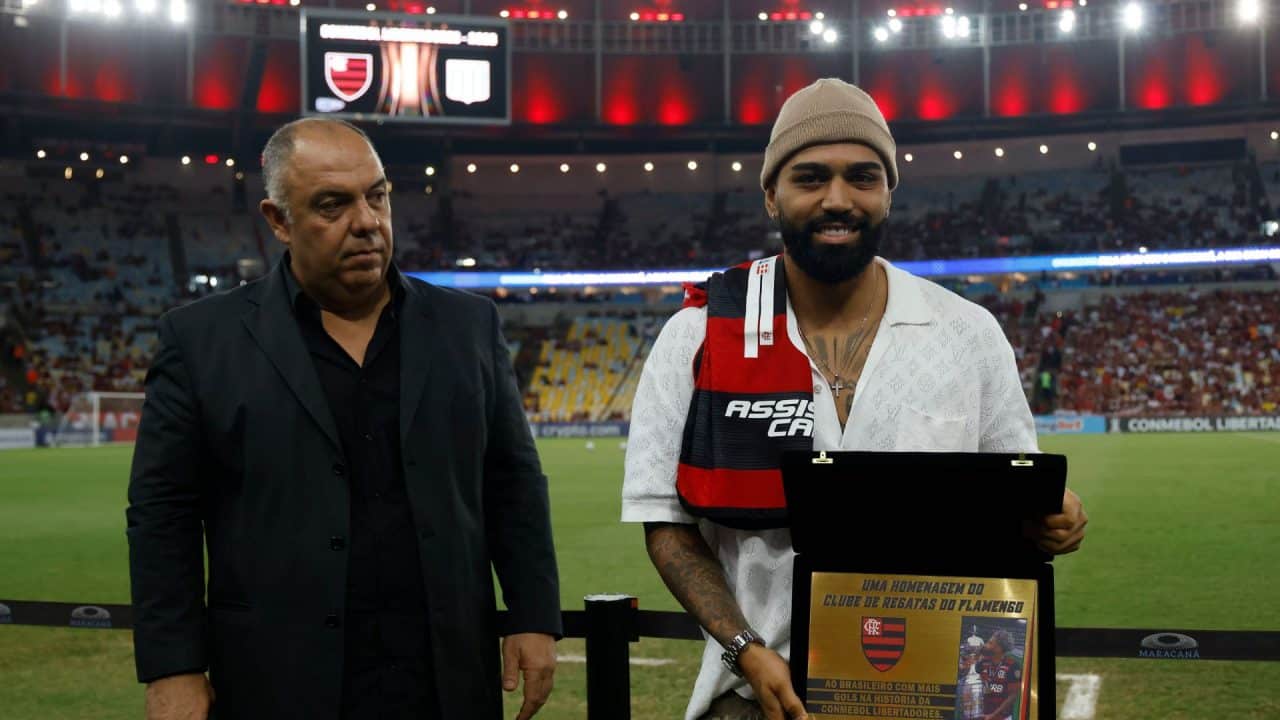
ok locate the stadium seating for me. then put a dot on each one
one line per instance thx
(106, 270)
(591, 371)
(1064, 211)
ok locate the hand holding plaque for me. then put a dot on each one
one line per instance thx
(1060, 533)
(770, 679)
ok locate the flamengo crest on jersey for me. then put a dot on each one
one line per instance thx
(752, 400)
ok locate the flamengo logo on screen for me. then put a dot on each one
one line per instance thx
(1199, 424)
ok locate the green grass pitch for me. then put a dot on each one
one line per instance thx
(1184, 533)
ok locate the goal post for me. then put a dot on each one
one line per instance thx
(95, 418)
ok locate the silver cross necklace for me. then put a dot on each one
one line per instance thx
(837, 385)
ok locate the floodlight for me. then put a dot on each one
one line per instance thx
(1067, 21)
(1248, 11)
(1133, 17)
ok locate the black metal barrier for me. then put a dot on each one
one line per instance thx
(610, 623)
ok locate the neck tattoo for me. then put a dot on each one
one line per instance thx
(852, 347)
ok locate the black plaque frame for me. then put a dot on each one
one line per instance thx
(820, 486)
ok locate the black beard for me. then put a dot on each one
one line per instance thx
(831, 264)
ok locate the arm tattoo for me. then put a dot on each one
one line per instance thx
(695, 577)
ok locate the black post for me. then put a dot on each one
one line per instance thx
(609, 629)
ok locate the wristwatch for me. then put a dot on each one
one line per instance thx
(736, 646)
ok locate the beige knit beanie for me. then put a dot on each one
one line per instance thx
(828, 111)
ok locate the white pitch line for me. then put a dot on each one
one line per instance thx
(1275, 439)
(646, 662)
(1082, 696)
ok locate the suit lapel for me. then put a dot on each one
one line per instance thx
(275, 330)
(418, 343)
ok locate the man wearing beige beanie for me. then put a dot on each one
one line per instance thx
(824, 347)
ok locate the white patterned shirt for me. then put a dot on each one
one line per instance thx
(940, 376)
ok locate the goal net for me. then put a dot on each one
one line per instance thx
(95, 418)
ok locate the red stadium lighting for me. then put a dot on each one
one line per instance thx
(527, 14)
(929, 11)
(210, 159)
(656, 15)
(792, 15)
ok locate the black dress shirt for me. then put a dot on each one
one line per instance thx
(387, 668)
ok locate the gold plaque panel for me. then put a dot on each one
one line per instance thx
(917, 646)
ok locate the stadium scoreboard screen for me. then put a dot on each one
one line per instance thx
(414, 68)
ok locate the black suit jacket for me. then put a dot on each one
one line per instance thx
(237, 447)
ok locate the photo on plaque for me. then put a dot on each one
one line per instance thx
(992, 664)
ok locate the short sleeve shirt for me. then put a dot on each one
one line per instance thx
(940, 376)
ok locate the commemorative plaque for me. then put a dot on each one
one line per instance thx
(920, 598)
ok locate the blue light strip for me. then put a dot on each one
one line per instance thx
(925, 268)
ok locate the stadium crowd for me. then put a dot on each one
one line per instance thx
(1077, 211)
(1194, 352)
(104, 267)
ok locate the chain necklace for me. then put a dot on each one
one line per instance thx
(837, 385)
